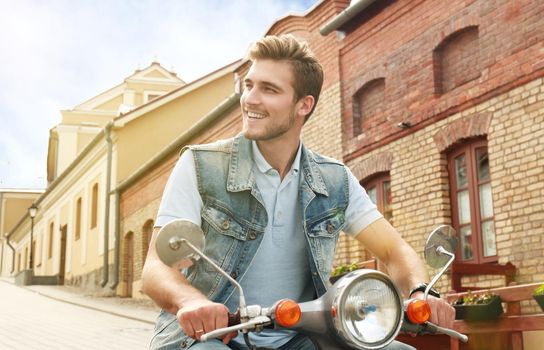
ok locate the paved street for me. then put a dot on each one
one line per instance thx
(29, 320)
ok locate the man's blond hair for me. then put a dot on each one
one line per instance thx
(307, 71)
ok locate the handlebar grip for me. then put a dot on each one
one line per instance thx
(234, 318)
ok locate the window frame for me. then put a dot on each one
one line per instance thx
(378, 180)
(77, 226)
(468, 149)
(94, 205)
(51, 239)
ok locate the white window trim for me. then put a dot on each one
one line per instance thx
(148, 93)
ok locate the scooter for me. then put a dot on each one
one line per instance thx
(362, 310)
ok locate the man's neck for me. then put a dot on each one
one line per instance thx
(280, 154)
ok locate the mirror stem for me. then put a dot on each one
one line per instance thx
(442, 251)
(243, 310)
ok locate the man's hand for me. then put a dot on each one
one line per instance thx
(442, 313)
(201, 315)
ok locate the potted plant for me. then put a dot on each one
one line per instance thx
(341, 270)
(478, 307)
(538, 295)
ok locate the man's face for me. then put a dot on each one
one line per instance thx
(268, 103)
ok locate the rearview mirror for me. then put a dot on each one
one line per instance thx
(443, 236)
(169, 245)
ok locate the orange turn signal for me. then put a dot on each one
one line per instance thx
(287, 313)
(418, 311)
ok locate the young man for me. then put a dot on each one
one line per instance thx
(271, 211)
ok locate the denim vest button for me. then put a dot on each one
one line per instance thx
(226, 224)
(252, 235)
(183, 343)
(330, 228)
(234, 274)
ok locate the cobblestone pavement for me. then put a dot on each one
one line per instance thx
(29, 320)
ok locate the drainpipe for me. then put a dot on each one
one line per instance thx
(115, 277)
(13, 255)
(105, 272)
(343, 17)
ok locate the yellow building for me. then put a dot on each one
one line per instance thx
(99, 143)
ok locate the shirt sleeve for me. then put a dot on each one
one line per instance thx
(360, 212)
(181, 199)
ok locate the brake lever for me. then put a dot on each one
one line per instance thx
(245, 326)
(431, 328)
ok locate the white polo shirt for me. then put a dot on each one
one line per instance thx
(280, 267)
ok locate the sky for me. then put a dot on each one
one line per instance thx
(55, 54)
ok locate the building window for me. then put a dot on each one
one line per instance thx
(94, 205)
(51, 238)
(151, 95)
(368, 105)
(456, 60)
(472, 202)
(379, 190)
(18, 262)
(78, 218)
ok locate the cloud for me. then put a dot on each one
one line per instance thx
(57, 54)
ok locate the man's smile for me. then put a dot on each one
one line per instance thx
(255, 115)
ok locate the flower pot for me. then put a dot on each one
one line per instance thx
(540, 300)
(333, 279)
(479, 312)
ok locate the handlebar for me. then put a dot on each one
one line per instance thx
(258, 321)
(431, 328)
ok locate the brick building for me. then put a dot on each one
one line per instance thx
(442, 109)
(438, 109)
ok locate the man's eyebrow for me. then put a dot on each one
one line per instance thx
(272, 85)
(264, 83)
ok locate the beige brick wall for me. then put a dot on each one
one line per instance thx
(323, 132)
(515, 143)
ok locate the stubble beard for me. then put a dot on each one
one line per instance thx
(271, 131)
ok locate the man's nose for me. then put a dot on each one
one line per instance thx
(251, 96)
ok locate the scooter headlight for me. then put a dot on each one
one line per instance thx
(367, 309)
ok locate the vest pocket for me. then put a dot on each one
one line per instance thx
(327, 225)
(323, 234)
(223, 222)
(224, 234)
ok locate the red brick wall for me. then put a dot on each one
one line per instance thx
(457, 60)
(398, 44)
(368, 106)
(491, 89)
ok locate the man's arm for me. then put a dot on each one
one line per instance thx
(171, 291)
(404, 265)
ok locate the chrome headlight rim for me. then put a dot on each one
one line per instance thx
(343, 287)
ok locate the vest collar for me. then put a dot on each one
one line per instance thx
(241, 178)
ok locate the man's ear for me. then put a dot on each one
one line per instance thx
(305, 105)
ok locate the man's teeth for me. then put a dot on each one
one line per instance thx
(256, 115)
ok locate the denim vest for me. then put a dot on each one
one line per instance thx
(234, 218)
